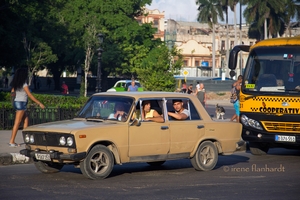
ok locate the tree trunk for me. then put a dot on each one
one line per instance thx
(227, 36)
(213, 51)
(235, 28)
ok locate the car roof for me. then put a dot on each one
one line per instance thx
(125, 81)
(146, 94)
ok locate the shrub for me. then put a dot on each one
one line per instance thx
(48, 100)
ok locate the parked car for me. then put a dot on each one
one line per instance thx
(122, 85)
(108, 131)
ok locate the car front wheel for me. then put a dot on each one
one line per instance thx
(206, 157)
(98, 164)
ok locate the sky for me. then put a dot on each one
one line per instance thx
(183, 10)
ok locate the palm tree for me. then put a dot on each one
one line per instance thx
(209, 11)
(258, 13)
(225, 9)
(292, 10)
(225, 5)
(232, 5)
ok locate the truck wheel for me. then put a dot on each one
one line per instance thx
(48, 167)
(206, 157)
(258, 148)
(98, 164)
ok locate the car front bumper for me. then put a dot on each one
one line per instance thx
(54, 155)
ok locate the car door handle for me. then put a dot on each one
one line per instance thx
(200, 126)
(164, 127)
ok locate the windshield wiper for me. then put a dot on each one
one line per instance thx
(95, 119)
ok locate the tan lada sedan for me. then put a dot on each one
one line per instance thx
(123, 127)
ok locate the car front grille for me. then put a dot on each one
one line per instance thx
(48, 138)
(288, 127)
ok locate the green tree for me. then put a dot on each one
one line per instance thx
(157, 70)
(125, 41)
(292, 11)
(209, 11)
(265, 15)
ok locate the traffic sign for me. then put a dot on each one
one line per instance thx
(185, 72)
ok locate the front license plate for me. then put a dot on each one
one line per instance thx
(285, 138)
(41, 156)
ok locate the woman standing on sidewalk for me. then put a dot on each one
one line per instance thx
(21, 92)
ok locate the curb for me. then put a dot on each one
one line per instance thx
(13, 158)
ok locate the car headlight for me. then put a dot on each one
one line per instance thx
(31, 139)
(69, 141)
(27, 138)
(62, 141)
(250, 122)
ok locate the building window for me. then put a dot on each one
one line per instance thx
(231, 44)
(185, 63)
(223, 45)
(155, 22)
(197, 63)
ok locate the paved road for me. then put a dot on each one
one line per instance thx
(238, 176)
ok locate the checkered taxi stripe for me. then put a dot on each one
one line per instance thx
(277, 99)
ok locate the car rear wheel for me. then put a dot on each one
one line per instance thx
(98, 164)
(155, 164)
(259, 148)
(48, 167)
(206, 157)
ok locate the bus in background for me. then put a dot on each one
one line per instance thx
(270, 93)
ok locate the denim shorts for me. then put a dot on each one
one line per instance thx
(20, 105)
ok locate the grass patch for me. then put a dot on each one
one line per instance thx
(221, 93)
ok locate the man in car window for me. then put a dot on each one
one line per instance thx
(149, 114)
(180, 112)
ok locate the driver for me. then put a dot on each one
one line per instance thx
(119, 112)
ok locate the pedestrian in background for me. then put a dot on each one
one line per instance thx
(65, 88)
(201, 94)
(21, 92)
(133, 86)
(237, 85)
(6, 82)
(190, 89)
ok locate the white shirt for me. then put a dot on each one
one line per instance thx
(112, 116)
(21, 95)
(185, 111)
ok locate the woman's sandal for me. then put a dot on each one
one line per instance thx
(13, 145)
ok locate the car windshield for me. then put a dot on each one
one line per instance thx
(273, 70)
(106, 108)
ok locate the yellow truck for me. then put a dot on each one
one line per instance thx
(270, 94)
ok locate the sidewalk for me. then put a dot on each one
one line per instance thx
(11, 155)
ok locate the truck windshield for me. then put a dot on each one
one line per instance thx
(273, 70)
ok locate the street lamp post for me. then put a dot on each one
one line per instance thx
(170, 39)
(100, 50)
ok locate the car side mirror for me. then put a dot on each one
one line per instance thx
(135, 122)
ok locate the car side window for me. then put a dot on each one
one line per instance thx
(193, 111)
(188, 105)
(170, 107)
(155, 104)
